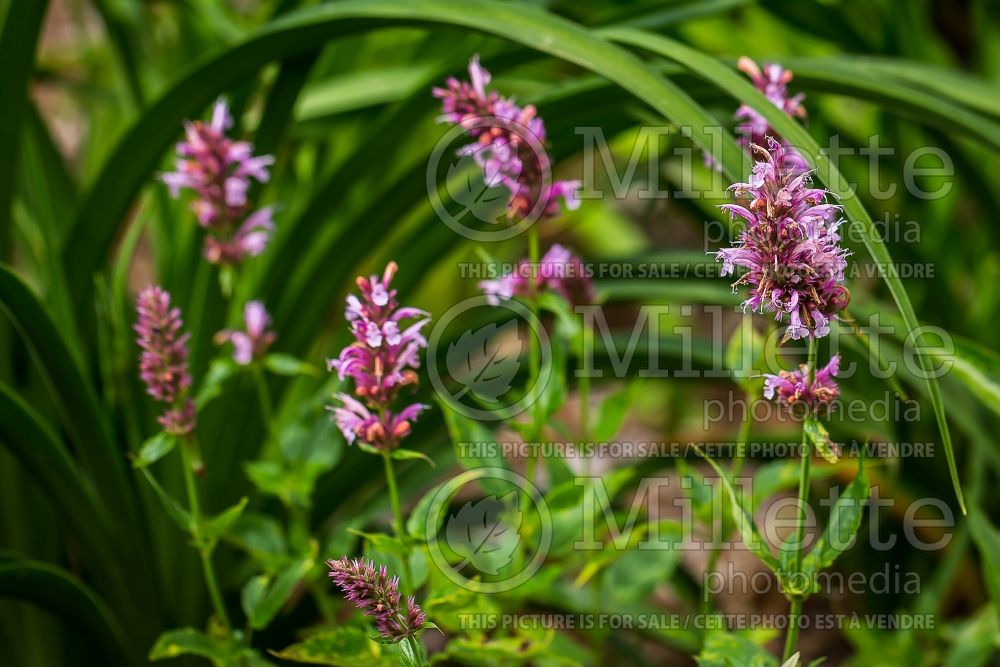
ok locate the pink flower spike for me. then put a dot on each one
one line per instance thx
(163, 363)
(252, 343)
(380, 361)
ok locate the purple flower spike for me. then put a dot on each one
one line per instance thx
(381, 361)
(559, 270)
(219, 171)
(253, 343)
(792, 387)
(508, 146)
(377, 595)
(772, 81)
(163, 361)
(789, 245)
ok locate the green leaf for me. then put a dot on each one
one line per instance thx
(74, 398)
(845, 520)
(269, 594)
(410, 454)
(211, 387)
(18, 40)
(188, 641)
(154, 449)
(340, 647)
(737, 86)
(174, 509)
(411, 653)
(612, 412)
(416, 523)
(33, 442)
(475, 447)
(139, 150)
(722, 649)
(286, 364)
(820, 438)
(987, 539)
(69, 599)
(215, 527)
(858, 78)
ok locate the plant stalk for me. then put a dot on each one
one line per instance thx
(397, 511)
(203, 550)
(795, 610)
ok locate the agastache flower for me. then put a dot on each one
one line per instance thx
(559, 270)
(253, 343)
(509, 145)
(163, 363)
(752, 128)
(374, 592)
(772, 81)
(789, 245)
(381, 361)
(792, 388)
(219, 171)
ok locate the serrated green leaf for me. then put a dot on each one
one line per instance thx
(820, 438)
(340, 647)
(188, 641)
(845, 520)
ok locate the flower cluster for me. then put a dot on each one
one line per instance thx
(559, 270)
(380, 361)
(772, 81)
(163, 361)
(219, 171)
(374, 592)
(508, 146)
(793, 387)
(253, 343)
(789, 245)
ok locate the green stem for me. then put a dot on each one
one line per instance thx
(397, 511)
(793, 628)
(187, 460)
(796, 598)
(534, 354)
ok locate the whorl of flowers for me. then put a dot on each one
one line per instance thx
(559, 270)
(163, 363)
(772, 81)
(377, 595)
(793, 388)
(219, 171)
(508, 145)
(381, 360)
(253, 343)
(789, 246)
